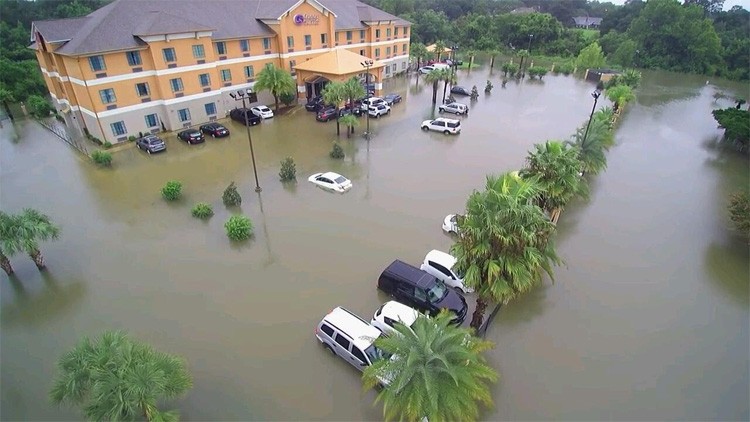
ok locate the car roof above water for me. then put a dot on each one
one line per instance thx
(362, 333)
(411, 274)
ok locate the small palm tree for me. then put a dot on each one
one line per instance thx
(116, 378)
(449, 77)
(493, 53)
(8, 242)
(505, 244)
(276, 80)
(557, 169)
(438, 372)
(32, 228)
(471, 54)
(335, 93)
(523, 54)
(591, 151)
(620, 95)
(440, 47)
(353, 89)
(349, 121)
(434, 77)
(419, 51)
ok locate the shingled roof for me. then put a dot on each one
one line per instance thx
(117, 25)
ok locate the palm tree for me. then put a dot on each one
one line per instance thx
(334, 93)
(349, 120)
(29, 228)
(557, 169)
(434, 77)
(591, 151)
(449, 77)
(418, 51)
(440, 47)
(522, 54)
(116, 378)
(8, 242)
(438, 372)
(276, 80)
(492, 53)
(470, 54)
(505, 243)
(353, 89)
(6, 96)
(620, 95)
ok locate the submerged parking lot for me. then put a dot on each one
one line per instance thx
(637, 291)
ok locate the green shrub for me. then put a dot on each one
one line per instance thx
(132, 138)
(238, 227)
(739, 212)
(539, 71)
(102, 158)
(202, 210)
(107, 145)
(39, 107)
(564, 68)
(288, 170)
(231, 197)
(337, 152)
(287, 98)
(172, 190)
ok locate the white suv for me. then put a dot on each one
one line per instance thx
(350, 337)
(379, 110)
(444, 125)
(440, 265)
(371, 101)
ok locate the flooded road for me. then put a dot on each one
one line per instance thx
(648, 319)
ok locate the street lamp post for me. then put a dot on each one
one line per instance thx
(531, 36)
(367, 64)
(454, 64)
(596, 95)
(240, 95)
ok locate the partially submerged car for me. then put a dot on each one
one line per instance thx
(331, 181)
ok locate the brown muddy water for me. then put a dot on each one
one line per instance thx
(648, 319)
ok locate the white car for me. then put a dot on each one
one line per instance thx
(331, 181)
(390, 313)
(450, 224)
(435, 66)
(441, 124)
(262, 112)
(440, 265)
(371, 101)
(455, 108)
(379, 110)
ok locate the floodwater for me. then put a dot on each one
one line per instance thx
(648, 319)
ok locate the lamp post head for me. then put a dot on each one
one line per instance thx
(367, 63)
(231, 94)
(596, 94)
(248, 91)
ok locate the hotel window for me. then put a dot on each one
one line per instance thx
(348, 35)
(406, 32)
(169, 55)
(377, 52)
(394, 67)
(308, 40)
(249, 72)
(361, 52)
(226, 75)
(403, 48)
(395, 32)
(292, 64)
(176, 84)
(221, 48)
(290, 41)
(362, 34)
(266, 43)
(388, 51)
(142, 89)
(388, 32)
(198, 51)
(377, 33)
(184, 114)
(118, 128)
(210, 109)
(151, 120)
(244, 45)
(107, 96)
(134, 58)
(97, 63)
(205, 79)
(336, 37)
(324, 39)
(403, 65)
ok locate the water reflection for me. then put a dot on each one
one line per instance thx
(54, 300)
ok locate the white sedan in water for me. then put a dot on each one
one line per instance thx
(331, 181)
(262, 112)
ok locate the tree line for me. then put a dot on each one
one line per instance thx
(693, 36)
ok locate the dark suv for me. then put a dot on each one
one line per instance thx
(239, 115)
(414, 287)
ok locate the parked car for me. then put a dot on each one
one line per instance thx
(314, 104)
(440, 265)
(450, 224)
(350, 337)
(444, 125)
(151, 144)
(346, 111)
(455, 108)
(326, 114)
(371, 101)
(355, 108)
(392, 99)
(191, 136)
(240, 114)
(429, 68)
(378, 110)
(389, 313)
(332, 181)
(460, 90)
(262, 112)
(423, 292)
(214, 129)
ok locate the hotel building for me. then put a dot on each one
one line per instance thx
(137, 66)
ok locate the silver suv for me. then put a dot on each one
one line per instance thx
(350, 337)
(380, 109)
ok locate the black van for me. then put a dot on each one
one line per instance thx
(414, 287)
(244, 116)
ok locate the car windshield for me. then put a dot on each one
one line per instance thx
(437, 293)
(376, 354)
(340, 180)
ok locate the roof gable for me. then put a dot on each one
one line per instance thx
(337, 62)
